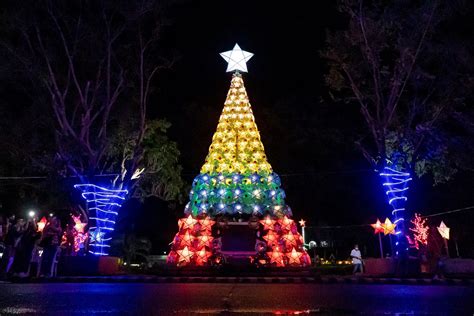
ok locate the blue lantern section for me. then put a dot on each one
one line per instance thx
(104, 203)
(396, 188)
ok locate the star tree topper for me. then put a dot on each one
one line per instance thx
(236, 58)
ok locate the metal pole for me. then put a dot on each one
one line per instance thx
(391, 245)
(446, 245)
(381, 247)
(457, 249)
(302, 232)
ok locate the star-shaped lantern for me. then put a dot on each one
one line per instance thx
(276, 256)
(294, 257)
(187, 223)
(97, 236)
(388, 227)
(202, 256)
(378, 227)
(236, 58)
(443, 230)
(206, 223)
(286, 223)
(271, 237)
(78, 225)
(302, 223)
(41, 224)
(267, 223)
(186, 239)
(185, 255)
(204, 240)
(290, 239)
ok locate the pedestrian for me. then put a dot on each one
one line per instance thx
(356, 259)
(24, 249)
(50, 243)
(12, 241)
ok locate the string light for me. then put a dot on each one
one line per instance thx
(105, 203)
(396, 184)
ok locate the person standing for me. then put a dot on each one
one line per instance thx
(356, 259)
(50, 243)
(24, 250)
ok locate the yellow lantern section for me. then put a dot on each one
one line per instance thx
(236, 144)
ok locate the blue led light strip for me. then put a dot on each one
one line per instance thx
(396, 187)
(105, 203)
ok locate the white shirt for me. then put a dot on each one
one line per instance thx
(356, 253)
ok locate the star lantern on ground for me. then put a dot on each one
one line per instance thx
(388, 227)
(378, 227)
(443, 230)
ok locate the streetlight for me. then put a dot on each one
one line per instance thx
(31, 213)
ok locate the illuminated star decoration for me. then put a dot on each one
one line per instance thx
(206, 223)
(187, 223)
(286, 223)
(378, 227)
(276, 256)
(97, 236)
(443, 230)
(271, 237)
(41, 224)
(294, 257)
(267, 223)
(185, 255)
(236, 58)
(302, 223)
(78, 225)
(202, 256)
(388, 227)
(290, 239)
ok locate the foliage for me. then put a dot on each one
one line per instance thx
(162, 174)
(411, 77)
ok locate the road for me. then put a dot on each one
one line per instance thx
(233, 299)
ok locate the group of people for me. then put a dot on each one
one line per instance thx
(20, 238)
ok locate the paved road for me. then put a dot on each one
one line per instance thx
(247, 299)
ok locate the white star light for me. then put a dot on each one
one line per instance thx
(236, 59)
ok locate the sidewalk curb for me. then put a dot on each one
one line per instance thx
(251, 280)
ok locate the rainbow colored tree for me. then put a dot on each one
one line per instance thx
(237, 180)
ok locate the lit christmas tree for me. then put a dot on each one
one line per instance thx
(236, 180)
